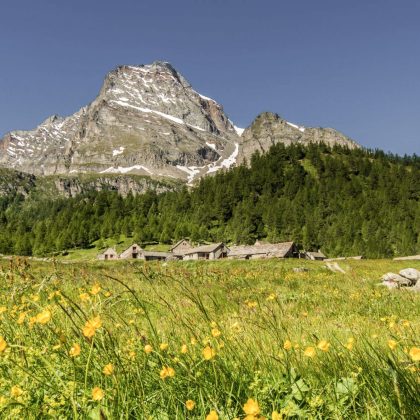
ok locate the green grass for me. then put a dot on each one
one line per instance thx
(259, 320)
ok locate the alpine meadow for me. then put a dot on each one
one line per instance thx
(239, 241)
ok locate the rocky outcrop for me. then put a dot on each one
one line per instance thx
(123, 184)
(408, 278)
(14, 182)
(269, 129)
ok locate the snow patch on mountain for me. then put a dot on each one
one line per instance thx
(239, 130)
(161, 114)
(212, 146)
(124, 170)
(226, 163)
(298, 127)
(192, 171)
(118, 151)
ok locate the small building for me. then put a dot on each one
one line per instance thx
(109, 254)
(180, 248)
(132, 252)
(260, 251)
(207, 252)
(315, 256)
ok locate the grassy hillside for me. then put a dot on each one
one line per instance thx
(133, 340)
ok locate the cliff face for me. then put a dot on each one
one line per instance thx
(14, 182)
(148, 120)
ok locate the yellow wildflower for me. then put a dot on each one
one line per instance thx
(215, 332)
(3, 309)
(193, 341)
(323, 345)
(406, 323)
(414, 354)
(212, 415)
(75, 350)
(43, 317)
(392, 344)
(251, 407)
(164, 346)
(310, 352)
(108, 369)
(97, 394)
(167, 372)
(208, 353)
(148, 348)
(3, 344)
(184, 349)
(287, 345)
(16, 391)
(21, 318)
(91, 326)
(271, 296)
(190, 404)
(84, 297)
(96, 288)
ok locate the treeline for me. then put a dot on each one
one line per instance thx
(345, 202)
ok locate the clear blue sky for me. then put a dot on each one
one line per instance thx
(352, 65)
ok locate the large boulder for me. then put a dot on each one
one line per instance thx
(411, 274)
(395, 278)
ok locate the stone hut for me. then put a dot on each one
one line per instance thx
(259, 251)
(109, 254)
(132, 252)
(207, 252)
(180, 248)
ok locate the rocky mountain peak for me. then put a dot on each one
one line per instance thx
(269, 128)
(158, 87)
(148, 120)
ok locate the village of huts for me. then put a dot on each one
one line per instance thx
(184, 250)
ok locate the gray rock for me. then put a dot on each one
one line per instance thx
(389, 284)
(416, 287)
(389, 276)
(411, 274)
(395, 278)
(269, 129)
